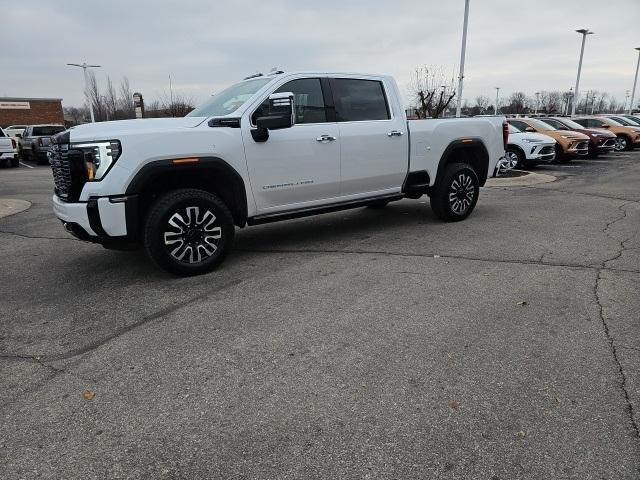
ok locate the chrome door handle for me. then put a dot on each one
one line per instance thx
(395, 133)
(325, 138)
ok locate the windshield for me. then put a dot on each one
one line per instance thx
(555, 123)
(230, 99)
(610, 121)
(633, 120)
(572, 124)
(623, 121)
(539, 125)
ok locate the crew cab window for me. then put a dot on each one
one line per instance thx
(357, 100)
(308, 101)
(47, 131)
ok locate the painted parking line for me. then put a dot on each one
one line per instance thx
(25, 165)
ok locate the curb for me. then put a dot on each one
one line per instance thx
(11, 206)
(530, 178)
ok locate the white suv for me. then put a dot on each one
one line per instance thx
(525, 149)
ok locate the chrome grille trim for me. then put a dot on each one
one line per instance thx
(59, 159)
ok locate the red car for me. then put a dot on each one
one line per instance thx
(600, 140)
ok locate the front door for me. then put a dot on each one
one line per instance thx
(298, 166)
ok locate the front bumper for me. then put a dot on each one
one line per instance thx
(545, 152)
(607, 145)
(578, 148)
(103, 220)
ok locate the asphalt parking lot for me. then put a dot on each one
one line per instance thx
(359, 344)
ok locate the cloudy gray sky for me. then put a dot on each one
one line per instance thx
(206, 45)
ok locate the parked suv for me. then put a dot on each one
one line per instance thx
(568, 144)
(627, 137)
(525, 149)
(35, 142)
(600, 140)
(268, 148)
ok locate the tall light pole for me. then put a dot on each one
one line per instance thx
(635, 82)
(497, 92)
(84, 67)
(537, 103)
(462, 54)
(584, 32)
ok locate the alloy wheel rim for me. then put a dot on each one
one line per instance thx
(513, 159)
(192, 235)
(621, 143)
(461, 193)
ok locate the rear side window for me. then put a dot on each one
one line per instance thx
(1, 133)
(358, 100)
(47, 131)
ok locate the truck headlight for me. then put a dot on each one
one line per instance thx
(98, 157)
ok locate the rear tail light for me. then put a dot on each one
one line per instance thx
(505, 134)
(13, 143)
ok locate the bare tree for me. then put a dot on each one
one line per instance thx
(126, 108)
(93, 97)
(551, 102)
(75, 116)
(176, 106)
(517, 103)
(110, 101)
(432, 91)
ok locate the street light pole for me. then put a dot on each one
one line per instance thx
(497, 91)
(584, 32)
(635, 82)
(537, 103)
(462, 54)
(84, 67)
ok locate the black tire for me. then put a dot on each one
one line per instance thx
(459, 183)
(14, 162)
(193, 254)
(623, 143)
(561, 157)
(378, 204)
(519, 155)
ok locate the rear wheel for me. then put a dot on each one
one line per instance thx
(456, 194)
(14, 162)
(188, 232)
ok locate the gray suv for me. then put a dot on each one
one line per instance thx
(35, 142)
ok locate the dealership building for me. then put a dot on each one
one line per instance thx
(30, 111)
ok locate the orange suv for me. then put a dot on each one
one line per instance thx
(628, 135)
(568, 143)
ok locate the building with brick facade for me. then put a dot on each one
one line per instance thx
(30, 111)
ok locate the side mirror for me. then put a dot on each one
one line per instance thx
(529, 129)
(281, 115)
(606, 125)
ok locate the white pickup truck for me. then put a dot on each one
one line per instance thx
(272, 147)
(8, 149)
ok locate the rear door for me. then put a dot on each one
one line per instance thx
(298, 166)
(373, 137)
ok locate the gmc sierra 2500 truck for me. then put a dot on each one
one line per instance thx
(272, 147)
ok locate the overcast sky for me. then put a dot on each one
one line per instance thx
(205, 45)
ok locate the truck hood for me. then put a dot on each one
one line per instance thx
(112, 130)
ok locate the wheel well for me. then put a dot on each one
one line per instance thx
(513, 146)
(473, 153)
(215, 177)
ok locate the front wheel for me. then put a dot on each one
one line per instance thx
(622, 143)
(456, 194)
(516, 158)
(188, 232)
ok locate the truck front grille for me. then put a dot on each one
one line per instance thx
(69, 175)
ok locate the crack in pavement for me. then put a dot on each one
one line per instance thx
(436, 256)
(39, 361)
(119, 332)
(614, 353)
